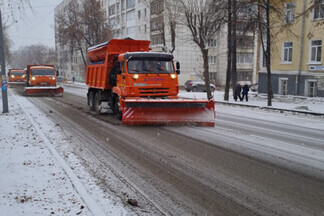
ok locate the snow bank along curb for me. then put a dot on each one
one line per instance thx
(92, 205)
(270, 108)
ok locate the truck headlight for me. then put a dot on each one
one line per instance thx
(12, 76)
(173, 76)
(53, 78)
(33, 78)
(135, 76)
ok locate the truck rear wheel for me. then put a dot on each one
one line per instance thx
(117, 109)
(91, 101)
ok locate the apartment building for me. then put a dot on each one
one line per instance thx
(297, 57)
(69, 61)
(128, 18)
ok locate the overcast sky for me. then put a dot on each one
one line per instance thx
(34, 26)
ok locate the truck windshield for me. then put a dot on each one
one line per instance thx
(18, 73)
(43, 72)
(150, 66)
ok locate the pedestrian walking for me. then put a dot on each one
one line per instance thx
(237, 92)
(73, 79)
(245, 92)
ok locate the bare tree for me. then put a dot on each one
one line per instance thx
(204, 19)
(13, 10)
(33, 54)
(164, 18)
(82, 25)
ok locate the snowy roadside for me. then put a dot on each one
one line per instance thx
(285, 102)
(35, 179)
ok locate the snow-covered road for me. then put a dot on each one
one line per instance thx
(252, 162)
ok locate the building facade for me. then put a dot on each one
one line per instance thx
(148, 20)
(69, 61)
(297, 60)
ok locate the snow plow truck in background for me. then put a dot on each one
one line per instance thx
(141, 87)
(17, 75)
(41, 81)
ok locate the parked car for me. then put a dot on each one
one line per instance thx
(59, 79)
(195, 86)
(254, 87)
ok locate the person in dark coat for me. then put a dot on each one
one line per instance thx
(237, 92)
(245, 92)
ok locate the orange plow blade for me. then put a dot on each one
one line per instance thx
(168, 112)
(44, 91)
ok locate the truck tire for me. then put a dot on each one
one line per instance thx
(97, 102)
(91, 101)
(117, 111)
(194, 89)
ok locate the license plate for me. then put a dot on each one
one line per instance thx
(43, 83)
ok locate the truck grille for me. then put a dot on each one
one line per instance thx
(153, 91)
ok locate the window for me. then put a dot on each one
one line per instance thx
(157, 23)
(112, 21)
(157, 39)
(123, 4)
(244, 58)
(310, 87)
(157, 7)
(130, 15)
(319, 10)
(144, 12)
(131, 30)
(112, 10)
(316, 51)
(287, 52)
(212, 59)
(139, 14)
(211, 42)
(244, 75)
(130, 3)
(289, 12)
(283, 86)
(245, 42)
(212, 77)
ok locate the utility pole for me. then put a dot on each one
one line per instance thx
(3, 71)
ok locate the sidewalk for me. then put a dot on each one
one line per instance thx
(34, 178)
(291, 103)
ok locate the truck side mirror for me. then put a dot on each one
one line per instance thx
(57, 73)
(178, 67)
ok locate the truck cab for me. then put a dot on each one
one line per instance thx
(17, 75)
(41, 76)
(146, 74)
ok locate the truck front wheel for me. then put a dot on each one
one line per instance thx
(117, 109)
(97, 102)
(91, 101)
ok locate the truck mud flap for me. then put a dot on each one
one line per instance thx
(168, 112)
(44, 91)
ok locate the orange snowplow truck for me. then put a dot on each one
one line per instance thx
(41, 81)
(141, 87)
(17, 75)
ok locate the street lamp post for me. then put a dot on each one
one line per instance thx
(3, 71)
